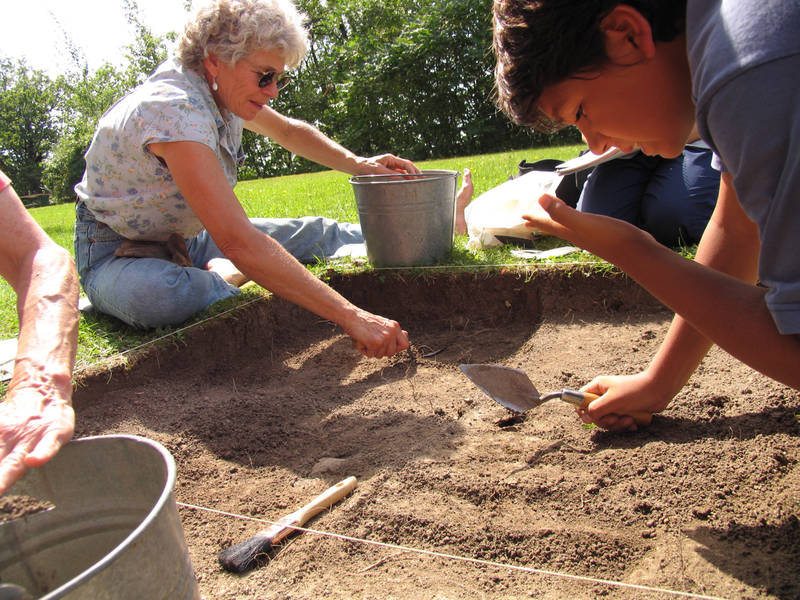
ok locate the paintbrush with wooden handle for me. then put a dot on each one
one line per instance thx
(244, 555)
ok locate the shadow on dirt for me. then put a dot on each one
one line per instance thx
(750, 554)
(275, 385)
(681, 430)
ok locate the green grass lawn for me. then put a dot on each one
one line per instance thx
(326, 193)
(329, 194)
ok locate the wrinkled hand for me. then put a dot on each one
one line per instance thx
(619, 396)
(375, 336)
(31, 432)
(386, 164)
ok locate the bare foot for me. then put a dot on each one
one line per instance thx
(227, 270)
(463, 197)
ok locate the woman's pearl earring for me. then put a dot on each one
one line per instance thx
(214, 85)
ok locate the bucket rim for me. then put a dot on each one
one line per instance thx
(164, 497)
(399, 178)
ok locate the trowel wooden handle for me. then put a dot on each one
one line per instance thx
(641, 418)
(326, 499)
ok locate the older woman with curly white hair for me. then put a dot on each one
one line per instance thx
(160, 234)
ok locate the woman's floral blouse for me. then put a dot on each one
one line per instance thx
(126, 186)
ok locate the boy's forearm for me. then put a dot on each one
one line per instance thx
(679, 355)
(720, 303)
(730, 245)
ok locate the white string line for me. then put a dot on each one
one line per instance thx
(479, 561)
(525, 266)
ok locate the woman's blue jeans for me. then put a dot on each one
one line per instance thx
(151, 292)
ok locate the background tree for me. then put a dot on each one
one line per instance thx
(88, 95)
(86, 98)
(28, 99)
(414, 77)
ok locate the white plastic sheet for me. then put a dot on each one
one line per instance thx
(498, 212)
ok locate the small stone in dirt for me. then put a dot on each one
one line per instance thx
(702, 512)
(592, 488)
(781, 459)
(648, 534)
(329, 465)
(510, 421)
(717, 401)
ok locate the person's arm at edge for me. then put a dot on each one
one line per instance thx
(730, 312)
(36, 416)
(302, 138)
(730, 245)
(261, 258)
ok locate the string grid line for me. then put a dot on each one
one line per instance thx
(487, 563)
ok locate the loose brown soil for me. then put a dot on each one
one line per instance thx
(13, 507)
(704, 501)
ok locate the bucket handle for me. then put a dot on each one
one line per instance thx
(400, 177)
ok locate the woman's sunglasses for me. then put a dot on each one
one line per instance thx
(270, 76)
(265, 79)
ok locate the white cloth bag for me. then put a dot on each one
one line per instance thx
(498, 211)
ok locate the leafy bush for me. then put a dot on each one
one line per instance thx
(65, 166)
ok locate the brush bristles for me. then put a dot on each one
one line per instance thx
(245, 555)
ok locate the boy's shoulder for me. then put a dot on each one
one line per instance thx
(726, 38)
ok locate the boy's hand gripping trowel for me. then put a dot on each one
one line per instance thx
(513, 389)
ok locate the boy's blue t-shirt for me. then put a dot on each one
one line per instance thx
(745, 62)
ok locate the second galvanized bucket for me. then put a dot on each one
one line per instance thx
(114, 531)
(407, 220)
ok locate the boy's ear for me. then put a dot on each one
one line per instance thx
(629, 37)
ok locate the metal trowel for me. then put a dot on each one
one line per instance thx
(513, 389)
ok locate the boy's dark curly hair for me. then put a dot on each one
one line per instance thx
(538, 43)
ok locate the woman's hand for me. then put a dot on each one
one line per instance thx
(32, 430)
(385, 164)
(619, 397)
(375, 336)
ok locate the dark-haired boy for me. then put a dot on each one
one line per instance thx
(641, 73)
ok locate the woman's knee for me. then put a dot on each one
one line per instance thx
(164, 297)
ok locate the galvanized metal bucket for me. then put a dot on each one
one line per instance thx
(407, 220)
(114, 531)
